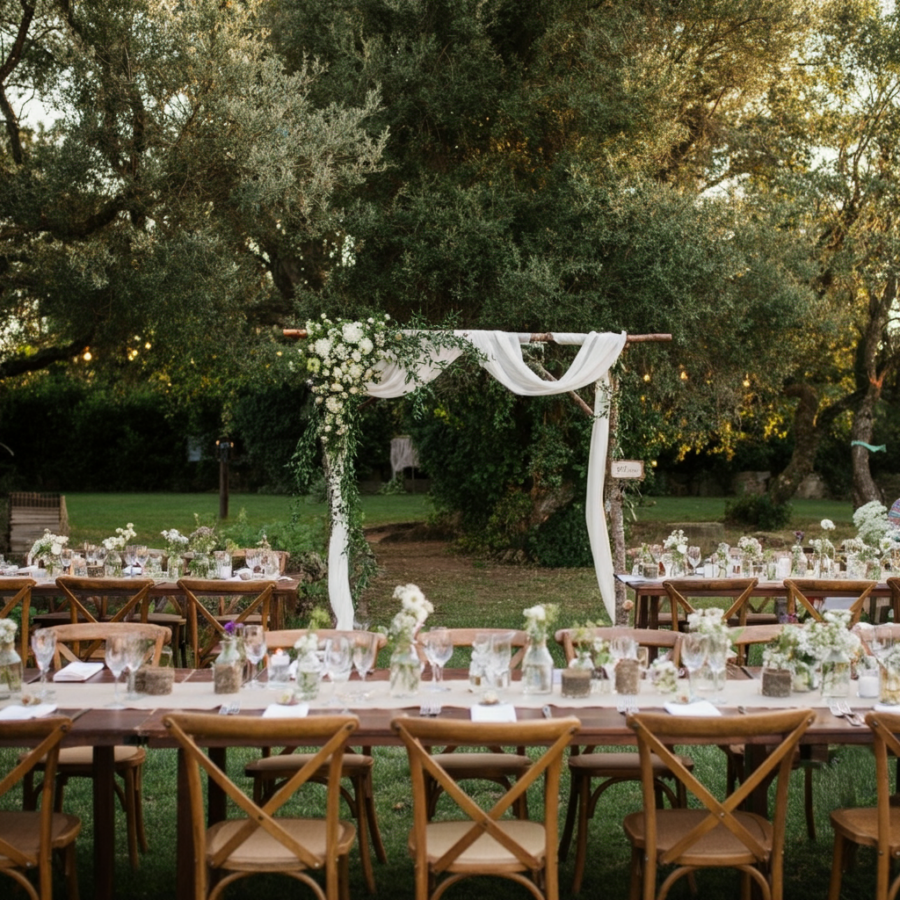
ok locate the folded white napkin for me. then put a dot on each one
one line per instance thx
(884, 707)
(19, 713)
(78, 671)
(493, 712)
(282, 711)
(697, 708)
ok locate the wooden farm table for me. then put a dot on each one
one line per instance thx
(142, 723)
(649, 594)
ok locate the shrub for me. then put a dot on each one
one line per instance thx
(758, 510)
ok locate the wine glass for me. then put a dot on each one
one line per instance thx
(337, 664)
(717, 660)
(365, 648)
(438, 646)
(141, 555)
(881, 640)
(130, 556)
(100, 554)
(255, 649)
(115, 662)
(65, 560)
(693, 654)
(135, 653)
(43, 645)
(693, 557)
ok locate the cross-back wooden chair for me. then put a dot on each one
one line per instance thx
(718, 834)
(815, 756)
(877, 827)
(270, 771)
(93, 599)
(680, 591)
(812, 594)
(27, 839)
(259, 840)
(15, 594)
(479, 841)
(894, 584)
(586, 765)
(78, 762)
(240, 602)
(493, 764)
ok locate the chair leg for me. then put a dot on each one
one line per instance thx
(359, 813)
(581, 831)
(837, 868)
(808, 802)
(70, 868)
(571, 811)
(372, 819)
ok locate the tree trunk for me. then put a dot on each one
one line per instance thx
(806, 442)
(864, 487)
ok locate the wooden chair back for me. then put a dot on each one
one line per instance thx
(885, 727)
(464, 637)
(239, 600)
(69, 639)
(743, 639)
(419, 734)
(804, 592)
(48, 732)
(191, 731)
(130, 594)
(668, 641)
(894, 584)
(16, 593)
(738, 590)
(657, 733)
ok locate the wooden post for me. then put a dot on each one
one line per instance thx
(224, 447)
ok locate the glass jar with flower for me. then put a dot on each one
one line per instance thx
(114, 546)
(840, 648)
(537, 664)
(47, 549)
(10, 661)
(798, 557)
(676, 545)
(201, 542)
(405, 664)
(798, 650)
(309, 666)
(889, 666)
(823, 552)
(722, 559)
(176, 544)
(583, 644)
(751, 555)
(664, 675)
(228, 667)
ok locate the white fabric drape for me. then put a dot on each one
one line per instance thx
(502, 352)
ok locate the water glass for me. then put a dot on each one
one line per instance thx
(438, 647)
(693, 655)
(254, 649)
(337, 664)
(115, 662)
(365, 649)
(43, 645)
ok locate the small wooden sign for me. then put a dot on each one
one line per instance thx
(627, 468)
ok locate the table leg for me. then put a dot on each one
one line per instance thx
(216, 801)
(104, 822)
(184, 836)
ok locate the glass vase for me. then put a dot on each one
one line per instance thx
(10, 671)
(537, 669)
(889, 693)
(406, 671)
(228, 668)
(309, 677)
(836, 675)
(805, 677)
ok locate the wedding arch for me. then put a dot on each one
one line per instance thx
(353, 359)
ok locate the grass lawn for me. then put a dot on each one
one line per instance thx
(93, 517)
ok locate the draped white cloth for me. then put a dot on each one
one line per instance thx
(502, 352)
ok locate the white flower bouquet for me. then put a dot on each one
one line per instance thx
(8, 629)
(414, 611)
(539, 619)
(121, 537)
(48, 544)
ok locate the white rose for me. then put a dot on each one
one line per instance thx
(827, 525)
(366, 346)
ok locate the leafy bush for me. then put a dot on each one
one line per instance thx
(562, 541)
(758, 510)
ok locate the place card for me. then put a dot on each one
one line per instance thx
(701, 708)
(494, 712)
(78, 671)
(286, 711)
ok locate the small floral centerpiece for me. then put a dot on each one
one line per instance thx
(583, 639)
(889, 663)
(176, 544)
(751, 552)
(872, 523)
(840, 649)
(677, 545)
(122, 536)
(537, 664)
(709, 621)
(664, 675)
(201, 542)
(10, 661)
(823, 551)
(723, 559)
(48, 547)
(309, 666)
(406, 667)
(228, 668)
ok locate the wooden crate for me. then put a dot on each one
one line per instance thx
(30, 514)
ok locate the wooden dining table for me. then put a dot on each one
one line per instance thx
(649, 594)
(101, 728)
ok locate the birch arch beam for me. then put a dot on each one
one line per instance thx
(500, 353)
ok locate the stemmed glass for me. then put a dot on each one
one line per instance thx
(365, 647)
(717, 660)
(135, 653)
(43, 645)
(438, 647)
(116, 662)
(255, 649)
(100, 554)
(141, 555)
(693, 557)
(881, 640)
(338, 663)
(65, 560)
(693, 654)
(130, 557)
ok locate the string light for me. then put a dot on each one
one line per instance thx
(87, 357)
(746, 381)
(684, 375)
